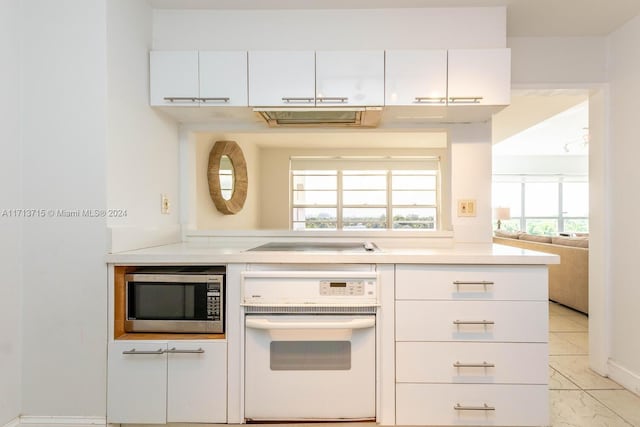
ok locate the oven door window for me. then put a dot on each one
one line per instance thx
(310, 355)
(167, 301)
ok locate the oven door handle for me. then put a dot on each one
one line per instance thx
(349, 324)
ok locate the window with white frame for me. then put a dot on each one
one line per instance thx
(544, 205)
(364, 193)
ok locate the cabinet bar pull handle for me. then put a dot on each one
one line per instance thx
(341, 99)
(294, 99)
(474, 322)
(180, 99)
(214, 99)
(430, 100)
(178, 351)
(474, 365)
(481, 283)
(465, 99)
(485, 407)
(134, 351)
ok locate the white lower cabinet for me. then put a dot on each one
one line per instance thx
(167, 381)
(472, 404)
(472, 345)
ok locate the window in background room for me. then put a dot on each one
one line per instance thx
(364, 193)
(543, 205)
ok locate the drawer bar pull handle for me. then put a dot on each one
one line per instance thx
(474, 365)
(178, 351)
(473, 322)
(339, 99)
(485, 407)
(479, 283)
(134, 351)
(465, 99)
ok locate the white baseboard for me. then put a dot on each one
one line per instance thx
(624, 377)
(13, 423)
(37, 421)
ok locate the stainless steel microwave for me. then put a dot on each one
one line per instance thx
(175, 300)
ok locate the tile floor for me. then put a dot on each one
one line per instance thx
(578, 396)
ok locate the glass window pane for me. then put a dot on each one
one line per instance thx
(362, 218)
(512, 224)
(304, 218)
(364, 182)
(378, 197)
(413, 182)
(508, 195)
(541, 199)
(575, 199)
(315, 182)
(576, 225)
(543, 227)
(414, 197)
(414, 218)
(315, 197)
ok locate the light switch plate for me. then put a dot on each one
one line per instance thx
(164, 204)
(467, 207)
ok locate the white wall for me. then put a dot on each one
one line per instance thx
(557, 60)
(63, 60)
(10, 228)
(625, 205)
(142, 142)
(541, 165)
(208, 217)
(330, 29)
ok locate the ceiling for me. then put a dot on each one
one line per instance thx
(525, 18)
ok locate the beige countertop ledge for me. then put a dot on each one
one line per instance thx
(229, 251)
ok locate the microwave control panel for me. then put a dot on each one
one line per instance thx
(345, 287)
(214, 308)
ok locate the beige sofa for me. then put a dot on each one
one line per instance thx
(569, 280)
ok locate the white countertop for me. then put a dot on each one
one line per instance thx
(230, 251)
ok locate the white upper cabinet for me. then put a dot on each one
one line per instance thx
(479, 77)
(416, 77)
(192, 78)
(350, 78)
(223, 78)
(174, 77)
(281, 78)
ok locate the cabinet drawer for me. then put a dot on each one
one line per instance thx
(506, 405)
(507, 321)
(457, 362)
(472, 282)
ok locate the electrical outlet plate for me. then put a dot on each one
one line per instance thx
(467, 207)
(164, 204)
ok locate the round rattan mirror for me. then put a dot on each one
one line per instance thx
(227, 177)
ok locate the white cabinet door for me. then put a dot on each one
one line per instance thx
(479, 76)
(350, 78)
(197, 382)
(137, 382)
(416, 77)
(173, 78)
(281, 78)
(223, 78)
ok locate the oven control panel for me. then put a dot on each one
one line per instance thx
(343, 288)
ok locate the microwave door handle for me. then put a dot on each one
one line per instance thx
(349, 324)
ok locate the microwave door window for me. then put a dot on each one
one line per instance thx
(161, 301)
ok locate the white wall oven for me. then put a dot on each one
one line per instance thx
(310, 345)
(186, 299)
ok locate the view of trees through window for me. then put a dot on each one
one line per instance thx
(351, 197)
(543, 205)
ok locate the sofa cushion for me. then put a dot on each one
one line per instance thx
(579, 242)
(507, 234)
(534, 238)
